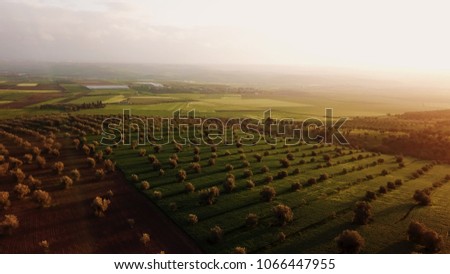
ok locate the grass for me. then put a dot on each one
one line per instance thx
(6, 91)
(321, 211)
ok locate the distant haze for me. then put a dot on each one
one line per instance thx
(383, 34)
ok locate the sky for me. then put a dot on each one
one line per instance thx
(381, 34)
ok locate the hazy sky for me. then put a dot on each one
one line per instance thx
(353, 33)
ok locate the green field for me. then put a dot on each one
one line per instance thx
(321, 211)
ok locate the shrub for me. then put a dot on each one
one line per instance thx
(390, 185)
(181, 175)
(108, 150)
(296, 186)
(196, 167)
(75, 175)
(28, 158)
(285, 163)
(245, 163)
(156, 165)
(173, 163)
(311, 181)
(382, 190)
(384, 172)
(370, 196)
(267, 193)
(196, 158)
(251, 220)
(213, 155)
(323, 177)
(211, 162)
(41, 162)
(196, 150)
(151, 158)
(91, 162)
(229, 167)
(208, 196)
(227, 153)
(258, 157)
(157, 148)
(43, 198)
(4, 200)
(290, 156)
(215, 234)
(422, 197)
(268, 179)
(192, 219)
(134, 178)
(18, 175)
(248, 173)
(362, 213)
(145, 185)
(99, 174)
(145, 239)
(189, 187)
(110, 166)
(66, 181)
(302, 162)
(265, 169)
(161, 172)
(424, 236)
(283, 214)
(44, 245)
(398, 182)
(100, 206)
(296, 171)
(9, 224)
(21, 191)
(282, 174)
(350, 242)
(142, 152)
(214, 148)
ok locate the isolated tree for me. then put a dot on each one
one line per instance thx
(145, 185)
(157, 194)
(265, 169)
(420, 234)
(75, 175)
(422, 197)
(173, 163)
(229, 167)
(189, 188)
(91, 162)
(181, 175)
(250, 184)
(134, 178)
(66, 181)
(28, 158)
(215, 234)
(196, 167)
(229, 184)
(370, 196)
(208, 196)
(239, 250)
(151, 158)
(350, 242)
(285, 163)
(362, 213)
(41, 162)
(9, 224)
(267, 193)
(108, 150)
(4, 200)
(192, 219)
(43, 198)
(100, 206)
(33, 183)
(211, 162)
(283, 214)
(142, 152)
(296, 186)
(248, 173)
(110, 166)
(18, 175)
(251, 220)
(282, 174)
(100, 174)
(21, 191)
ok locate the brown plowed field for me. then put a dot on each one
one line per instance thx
(70, 226)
